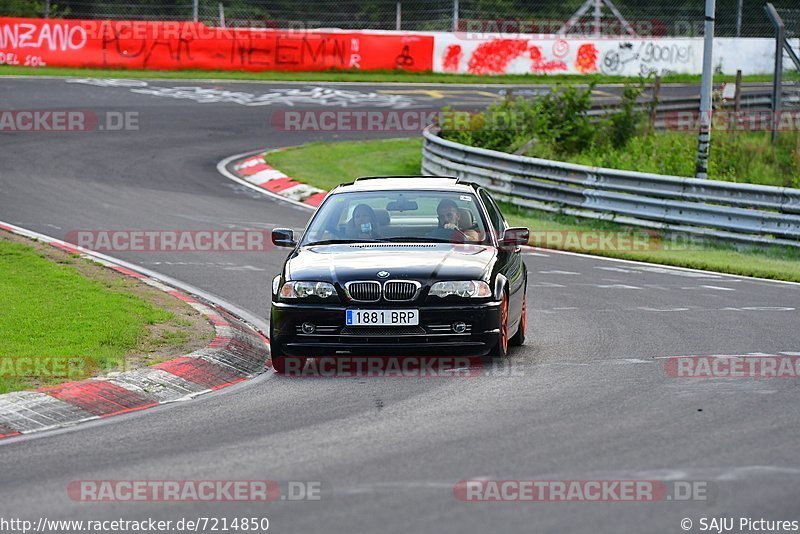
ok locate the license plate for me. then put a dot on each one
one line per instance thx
(382, 317)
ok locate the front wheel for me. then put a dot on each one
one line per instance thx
(500, 350)
(519, 338)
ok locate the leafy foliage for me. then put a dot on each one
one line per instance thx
(24, 8)
(559, 122)
(625, 124)
(558, 126)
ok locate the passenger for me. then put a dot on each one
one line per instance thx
(363, 224)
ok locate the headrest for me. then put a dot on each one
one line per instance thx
(382, 217)
(465, 218)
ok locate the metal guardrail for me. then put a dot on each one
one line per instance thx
(751, 101)
(741, 212)
(668, 108)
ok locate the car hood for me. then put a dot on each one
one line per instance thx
(422, 262)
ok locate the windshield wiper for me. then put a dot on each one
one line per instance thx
(414, 239)
(337, 242)
(331, 242)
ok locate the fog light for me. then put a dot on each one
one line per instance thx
(308, 328)
(459, 327)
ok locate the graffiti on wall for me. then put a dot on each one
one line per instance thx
(500, 56)
(564, 55)
(188, 45)
(647, 57)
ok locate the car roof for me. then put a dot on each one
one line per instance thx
(386, 183)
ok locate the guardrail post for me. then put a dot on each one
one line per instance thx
(704, 137)
(598, 18)
(654, 103)
(777, 79)
(737, 95)
(739, 18)
(398, 17)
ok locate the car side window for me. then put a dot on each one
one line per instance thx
(498, 222)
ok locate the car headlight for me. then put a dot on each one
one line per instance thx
(276, 284)
(466, 288)
(301, 290)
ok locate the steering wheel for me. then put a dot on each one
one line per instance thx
(454, 232)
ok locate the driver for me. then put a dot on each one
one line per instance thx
(449, 228)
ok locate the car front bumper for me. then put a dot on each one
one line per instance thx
(433, 337)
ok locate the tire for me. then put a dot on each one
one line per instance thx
(281, 363)
(278, 358)
(518, 339)
(500, 350)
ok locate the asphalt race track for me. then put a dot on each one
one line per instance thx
(587, 398)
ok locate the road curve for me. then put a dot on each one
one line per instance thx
(588, 398)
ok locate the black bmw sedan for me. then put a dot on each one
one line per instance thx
(400, 265)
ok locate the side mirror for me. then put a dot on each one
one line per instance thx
(283, 237)
(514, 237)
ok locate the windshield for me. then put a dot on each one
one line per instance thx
(394, 216)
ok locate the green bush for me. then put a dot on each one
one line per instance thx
(30, 9)
(559, 122)
(625, 124)
(21, 8)
(564, 121)
(557, 126)
(496, 129)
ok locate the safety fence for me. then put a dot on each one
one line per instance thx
(645, 18)
(188, 45)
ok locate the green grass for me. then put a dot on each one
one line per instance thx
(378, 76)
(51, 311)
(776, 263)
(327, 164)
(174, 338)
(744, 157)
